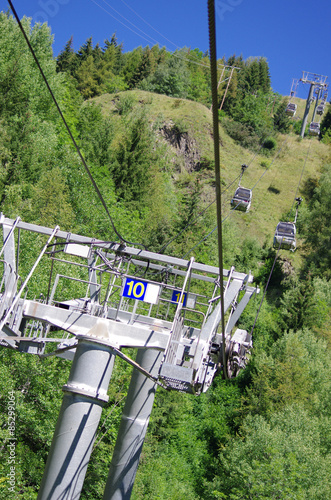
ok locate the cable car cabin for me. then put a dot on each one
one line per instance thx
(285, 236)
(314, 128)
(320, 108)
(242, 199)
(291, 109)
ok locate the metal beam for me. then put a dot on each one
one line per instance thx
(180, 354)
(305, 116)
(126, 251)
(108, 331)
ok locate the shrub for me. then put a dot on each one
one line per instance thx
(125, 104)
(270, 144)
(243, 134)
(297, 127)
(180, 126)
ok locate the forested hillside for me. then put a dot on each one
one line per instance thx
(143, 122)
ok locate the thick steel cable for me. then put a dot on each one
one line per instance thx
(186, 59)
(213, 78)
(265, 290)
(67, 127)
(277, 253)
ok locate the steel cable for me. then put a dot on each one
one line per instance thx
(68, 129)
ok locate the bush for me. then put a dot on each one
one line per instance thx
(180, 126)
(125, 104)
(243, 134)
(269, 146)
(270, 143)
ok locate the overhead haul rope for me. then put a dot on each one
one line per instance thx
(67, 127)
(304, 166)
(210, 204)
(191, 222)
(150, 38)
(138, 15)
(213, 77)
(196, 218)
(275, 157)
(121, 22)
(277, 253)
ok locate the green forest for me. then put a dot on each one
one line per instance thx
(143, 123)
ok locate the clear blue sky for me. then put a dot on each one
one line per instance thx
(293, 35)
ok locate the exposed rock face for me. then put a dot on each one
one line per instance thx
(184, 146)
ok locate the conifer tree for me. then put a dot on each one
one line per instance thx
(85, 50)
(118, 51)
(87, 78)
(132, 61)
(264, 81)
(130, 170)
(67, 60)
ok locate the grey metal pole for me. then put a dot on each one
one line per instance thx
(305, 116)
(316, 104)
(133, 427)
(75, 432)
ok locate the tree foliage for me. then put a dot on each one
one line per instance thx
(266, 434)
(317, 226)
(326, 127)
(280, 458)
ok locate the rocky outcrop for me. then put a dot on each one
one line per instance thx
(184, 146)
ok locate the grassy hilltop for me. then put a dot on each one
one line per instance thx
(276, 179)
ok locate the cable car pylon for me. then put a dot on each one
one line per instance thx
(172, 324)
(317, 83)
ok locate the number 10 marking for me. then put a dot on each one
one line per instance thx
(133, 289)
(141, 290)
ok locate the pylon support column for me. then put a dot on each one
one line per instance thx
(133, 427)
(75, 432)
(306, 113)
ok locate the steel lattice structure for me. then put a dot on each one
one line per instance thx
(166, 307)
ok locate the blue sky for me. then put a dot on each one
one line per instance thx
(293, 35)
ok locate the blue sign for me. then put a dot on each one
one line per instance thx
(175, 297)
(141, 290)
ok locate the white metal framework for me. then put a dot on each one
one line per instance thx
(124, 297)
(314, 78)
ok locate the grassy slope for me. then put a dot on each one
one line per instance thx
(275, 187)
